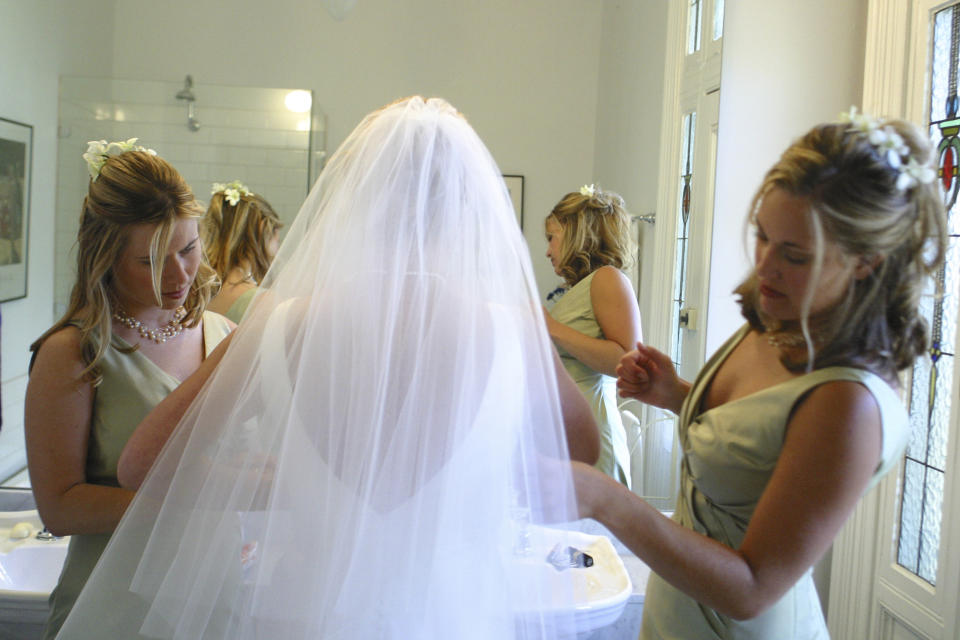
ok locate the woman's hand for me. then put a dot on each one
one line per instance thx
(649, 376)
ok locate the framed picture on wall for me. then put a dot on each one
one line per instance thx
(16, 159)
(515, 187)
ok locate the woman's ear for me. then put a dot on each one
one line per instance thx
(866, 265)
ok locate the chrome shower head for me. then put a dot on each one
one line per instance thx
(187, 92)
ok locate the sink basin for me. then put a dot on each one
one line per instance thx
(29, 568)
(600, 592)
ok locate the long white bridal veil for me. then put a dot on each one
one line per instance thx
(374, 454)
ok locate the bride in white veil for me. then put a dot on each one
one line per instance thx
(368, 456)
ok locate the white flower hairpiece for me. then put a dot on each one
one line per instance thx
(231, 191)
(99, 150)
(892, 147)
(588, 190)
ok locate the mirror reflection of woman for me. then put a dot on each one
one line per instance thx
(135, 327)
(241, 233)
(382, 432)
(799, 413)
(597, 319)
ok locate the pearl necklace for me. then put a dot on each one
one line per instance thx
(159, 335)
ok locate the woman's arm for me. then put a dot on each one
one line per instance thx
(152, 433)
(57, 421)
(649, 376)
(829, 455)
(583, 437)
(617, 313)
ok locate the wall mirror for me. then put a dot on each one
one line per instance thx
(560, 115)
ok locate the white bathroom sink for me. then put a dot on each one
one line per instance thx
(29, 568)
(600, 592)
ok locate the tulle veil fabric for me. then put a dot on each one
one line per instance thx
(364, 461)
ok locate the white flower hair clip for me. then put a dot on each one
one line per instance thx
(232, 191)
(892, 148)
(588, 190)
(99, 150)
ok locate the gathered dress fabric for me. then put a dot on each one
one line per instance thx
(132, 385)
(729, 454)
(575, 310)
(383, 430)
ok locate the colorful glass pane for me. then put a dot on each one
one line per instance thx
(921, 509)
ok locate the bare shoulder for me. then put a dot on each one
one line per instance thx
(607, 276)
(61, 349)
(842, 398)
(843, 414)
(609, 281)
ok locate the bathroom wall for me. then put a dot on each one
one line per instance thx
(246, 134)
(39, 40)
(786, 66)
(524, 73)
(629, 110)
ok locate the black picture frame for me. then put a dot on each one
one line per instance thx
(515, 187)
(16, 169)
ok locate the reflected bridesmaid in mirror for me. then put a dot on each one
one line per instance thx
(597, 319)
(241, 234)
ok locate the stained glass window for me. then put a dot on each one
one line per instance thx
(921, 509)
(683, 228)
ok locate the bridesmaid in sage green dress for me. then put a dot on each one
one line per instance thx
(135, 327)
(241, 233)
(799, 413)
(597, 319)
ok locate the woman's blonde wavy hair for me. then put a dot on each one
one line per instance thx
(596, 233)
(133, 188)
(854, 202)
(239, 234)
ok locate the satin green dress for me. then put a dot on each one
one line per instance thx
(575, 310)
(729, 454)
(132, 386)
(239, 306)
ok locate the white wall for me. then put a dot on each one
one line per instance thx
(39, 40)
(524, 73)
(629, 107)
(786, 66)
